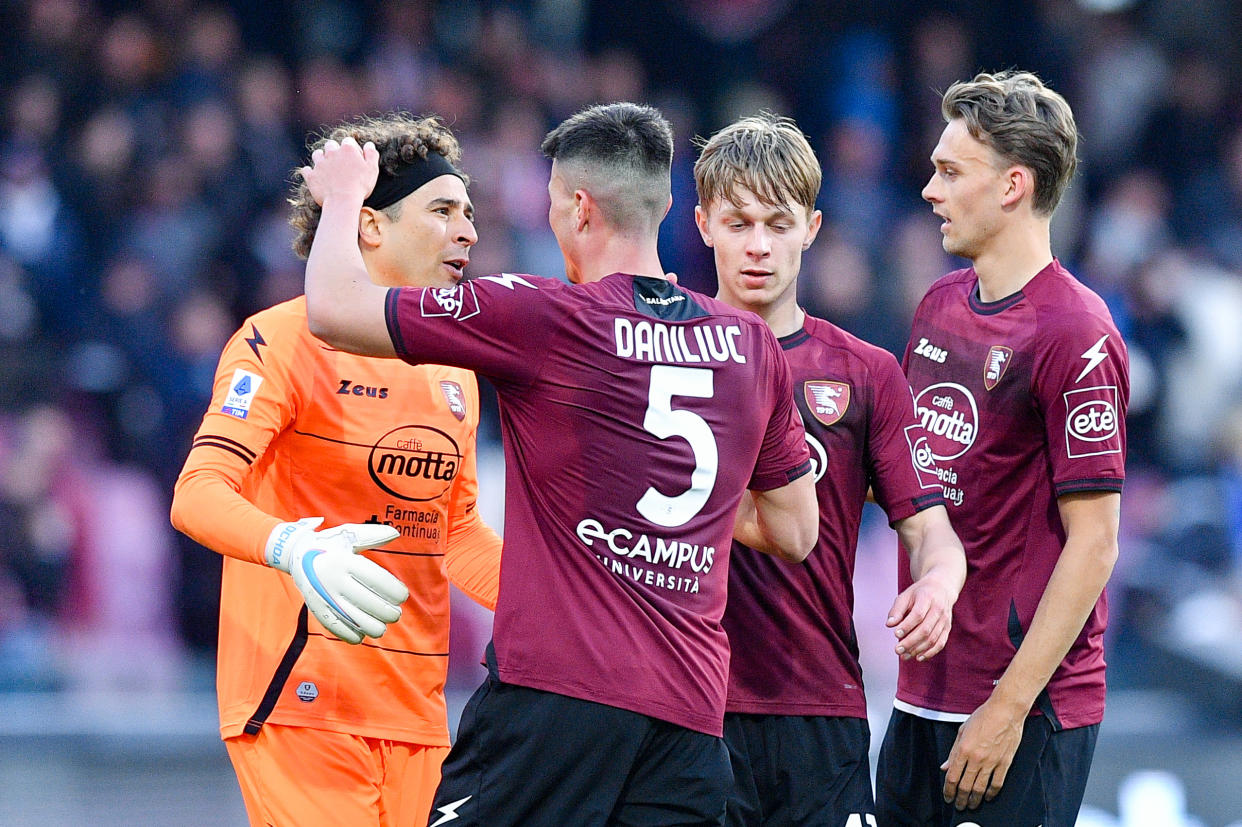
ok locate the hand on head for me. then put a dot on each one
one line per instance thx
(342, 170)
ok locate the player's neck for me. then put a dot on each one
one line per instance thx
(1011, 260)
(621, 255)
(785, 318)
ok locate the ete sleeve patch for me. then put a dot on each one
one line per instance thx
(1092, 423)
(242, 389)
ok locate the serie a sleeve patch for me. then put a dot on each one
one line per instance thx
(242, 390)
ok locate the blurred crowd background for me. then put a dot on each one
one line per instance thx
(146, 151)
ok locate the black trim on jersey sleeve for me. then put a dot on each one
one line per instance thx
(225, 444)
(1043, 702)
(927, 501)
(394, 326)
(661, 299)
(798, 471)
(1110, 484)
(272, 695)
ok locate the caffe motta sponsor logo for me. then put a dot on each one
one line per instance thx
(1092, 424)
(416, 463)
(819, 456)
(949, 417)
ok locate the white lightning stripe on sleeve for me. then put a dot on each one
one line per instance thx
(449, 812)
(1094, 355)
(508, 280)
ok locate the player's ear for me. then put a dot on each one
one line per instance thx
(812, 229)
(1019, 183)
(585, 207)
(370, 231)
(700, 221)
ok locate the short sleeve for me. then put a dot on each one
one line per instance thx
(902, 469)
(784, 455)
(485, 324)
(1081, 384)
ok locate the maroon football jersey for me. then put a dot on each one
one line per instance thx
(791, 627)
(634, 414)
(1023, 399)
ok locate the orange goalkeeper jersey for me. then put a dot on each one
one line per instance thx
(299, 429)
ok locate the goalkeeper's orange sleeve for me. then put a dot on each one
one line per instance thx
(208, 506)
(472, 560)
(214, 498)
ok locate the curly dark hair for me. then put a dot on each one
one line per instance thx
(401, 139)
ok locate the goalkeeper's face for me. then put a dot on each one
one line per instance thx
(426, 241)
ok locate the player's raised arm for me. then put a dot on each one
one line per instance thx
(343, 306)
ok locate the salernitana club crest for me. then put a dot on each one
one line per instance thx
(995, 365)
(828, 401)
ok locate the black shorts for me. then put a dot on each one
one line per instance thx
(799, 770)
(533, 758)
(1044, 785)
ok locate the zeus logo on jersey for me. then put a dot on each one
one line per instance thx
(930, 351)
(242, 389)
(508, 280)
(449, 812)
(461, 302)
(1092, 427)
(350, 388)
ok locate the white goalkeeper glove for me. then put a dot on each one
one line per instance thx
(351, 596)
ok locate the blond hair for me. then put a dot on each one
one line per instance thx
(763, 153)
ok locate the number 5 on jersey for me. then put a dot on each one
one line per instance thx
(664, 422)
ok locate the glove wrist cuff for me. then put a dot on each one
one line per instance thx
(279, 550)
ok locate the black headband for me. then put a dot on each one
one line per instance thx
(389, 189)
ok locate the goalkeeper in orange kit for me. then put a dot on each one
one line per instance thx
(300, 435)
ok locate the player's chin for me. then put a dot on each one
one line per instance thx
(446, 275)
(957, 247)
